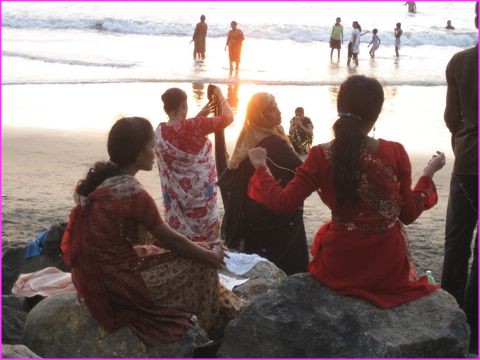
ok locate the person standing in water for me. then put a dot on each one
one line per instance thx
(199, 39)
(234, 43)
(354, 44)
(336, 38)
(449, 25)
(412, 7)
(398, 34)
(375, 43)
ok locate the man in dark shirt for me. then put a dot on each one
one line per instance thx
(461, 118)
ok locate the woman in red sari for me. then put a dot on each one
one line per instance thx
(363, 250)
(129, 266)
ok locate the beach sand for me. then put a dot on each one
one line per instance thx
(43, 157)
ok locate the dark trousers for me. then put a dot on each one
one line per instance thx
(462, 218)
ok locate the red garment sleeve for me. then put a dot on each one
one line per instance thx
(264, 189)
(422, 197)
(142, 208)
(203, 126)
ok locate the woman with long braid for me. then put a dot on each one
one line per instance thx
(363, 250)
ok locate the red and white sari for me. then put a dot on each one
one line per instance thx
(188, 176)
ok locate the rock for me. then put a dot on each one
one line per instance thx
(13, 320)
(13, 264)
(263, 277)
(61, 327)
(303, 318)
(17, 351)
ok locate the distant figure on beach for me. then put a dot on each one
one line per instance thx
(366, 183)
(461, 118)
(301, 132)
(128, 266)
(397, 31)
(449, 25)
(412, 7)
(199, 39)
(336, 38)
(186, 166)
(232, 95)
(247, 225)
(375, 42)
(354, 44)
(234, 43)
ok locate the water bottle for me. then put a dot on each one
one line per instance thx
(430, 278)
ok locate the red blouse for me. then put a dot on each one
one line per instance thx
(362, 251)
(190, 135)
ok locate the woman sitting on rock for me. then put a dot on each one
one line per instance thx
(247, 225)
(154, 291)
(363, 250)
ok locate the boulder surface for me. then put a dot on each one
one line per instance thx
(303, 318)
(61, 327)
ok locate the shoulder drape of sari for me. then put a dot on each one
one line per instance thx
(189, 189)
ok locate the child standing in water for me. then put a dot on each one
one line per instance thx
(398, 33)
(375, 43)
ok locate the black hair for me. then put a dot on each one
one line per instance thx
(358, 25)
(300, 109)
(359, 103)
(126, 139)
(202, 18)
(172, 99)
(375, 31)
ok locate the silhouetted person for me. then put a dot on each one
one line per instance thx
(449, 25)
(336, 38)
(412, 7)
(199, 39)
(234, 43)
(398, 34)
(461, 118)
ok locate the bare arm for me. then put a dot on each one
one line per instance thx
(170, 239)
(306, 129)
(228, 41)
(224, 106)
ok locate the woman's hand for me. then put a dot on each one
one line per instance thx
(207, 109)
(218, 254)
(434, 164)
(258, 157)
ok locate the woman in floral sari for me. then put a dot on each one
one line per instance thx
(363, 250)
(186, 165)
(130, 267)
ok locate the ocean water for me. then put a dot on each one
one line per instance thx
(286, 42)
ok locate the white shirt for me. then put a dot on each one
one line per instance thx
(355, 40)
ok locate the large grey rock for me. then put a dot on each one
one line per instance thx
(264, 276)
(302, 318)
(17, 351)
(61, 327)
(13, 320)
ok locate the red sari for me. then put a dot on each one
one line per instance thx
(363, 250)
(152, 290)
